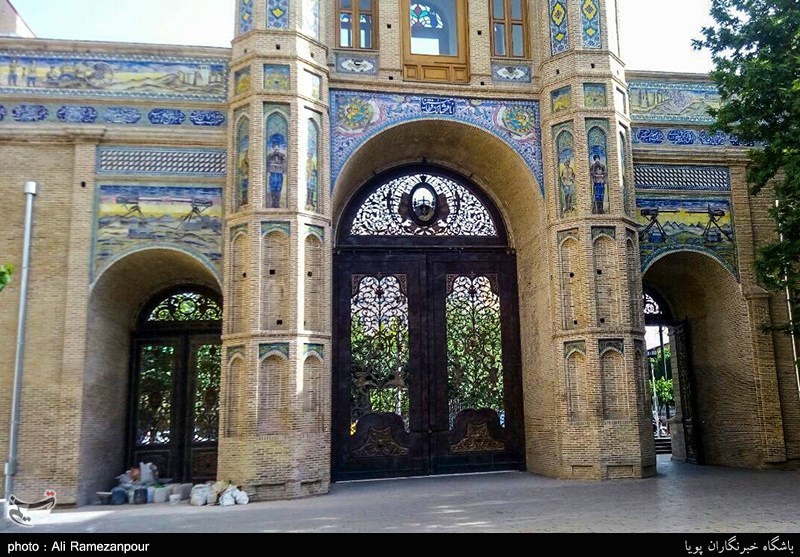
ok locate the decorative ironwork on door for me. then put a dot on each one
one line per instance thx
(176, 381)
(428, 374)
(475, 363)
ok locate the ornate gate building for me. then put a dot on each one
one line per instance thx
(378, 239)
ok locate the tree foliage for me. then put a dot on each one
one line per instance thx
(755, 48)
(663, 390)
(5, 275)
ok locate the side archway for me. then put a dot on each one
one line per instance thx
(712, 360)
(117, 299)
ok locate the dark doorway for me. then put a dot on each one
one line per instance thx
(676, 358)
(427, 375)
(174, 407)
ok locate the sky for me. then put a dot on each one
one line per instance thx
(655, 34)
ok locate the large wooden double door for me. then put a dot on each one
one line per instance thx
(427, 379)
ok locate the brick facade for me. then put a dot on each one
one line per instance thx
(580, 276)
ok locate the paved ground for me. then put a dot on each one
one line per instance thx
(682, 498)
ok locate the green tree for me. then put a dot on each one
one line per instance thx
(5, 275)
(664, 393)
(755, 47)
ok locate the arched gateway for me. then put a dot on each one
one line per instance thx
(427, 373)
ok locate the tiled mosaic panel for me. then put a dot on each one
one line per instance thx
(594, 95)
(137, 216)
(597, 132)
(652, 101)
(559, 26)
(241, 81)
(674, 177)
(246, 16)
(278, 14)
(358, 116)
(590, 24)
(512, 73)
(363, 65)
(561, 99)
(276, 77)
(66, 74)
(686, 222)
(277, 155)
(160, 161)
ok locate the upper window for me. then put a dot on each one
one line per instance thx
(509, 28)
(356, 23)
(434, 43)
(433, 28)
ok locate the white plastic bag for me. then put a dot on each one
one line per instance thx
(241, 498)
(199, 495)
(228, 499)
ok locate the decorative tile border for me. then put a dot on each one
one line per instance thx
(682, 177)
(268, 227)
(317, 231)
(356, 117)
(652, 101)
(25, 113)
(69, 74)
(611, 344)
(235, 351)
(609, 231)
(316, 349)
(505, 72)
(574, 346)
(358, 65)
(161, 161)
(685, 137)
(280, 349)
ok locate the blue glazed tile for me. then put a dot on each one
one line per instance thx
(512, 73)
(212, 118)
(681, 137)
(559, 27)
(77, 114)
(30, 113)
(717, 139)
(590, 23)
(358, 116)
(116, 115)
(246, 16)
(652, 136)
(166, 117)
(278, 14)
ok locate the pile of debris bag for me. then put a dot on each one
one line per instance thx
(142, 485)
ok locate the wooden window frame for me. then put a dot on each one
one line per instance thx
(508, 22)
(355, 17)
(433, 68)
